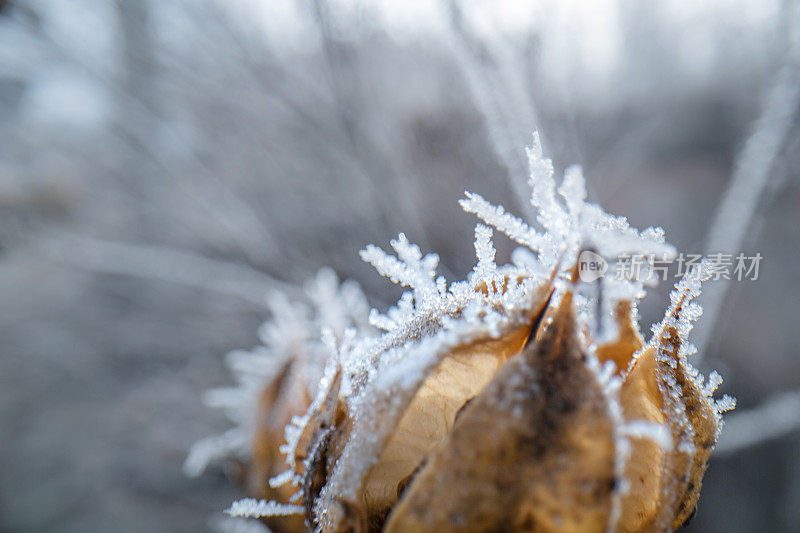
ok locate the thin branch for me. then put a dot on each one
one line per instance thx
(363, 146)
(217, 199)
(167, 264)
(752, 172)
(500, 97)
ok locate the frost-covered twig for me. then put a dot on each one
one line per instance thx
(367, 156)
(497, 216)
(215, 199)
(501, 97)
(752, 172)
(167, 264)
(775, 418)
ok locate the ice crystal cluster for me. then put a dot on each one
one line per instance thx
(518, 399)
(275, 381)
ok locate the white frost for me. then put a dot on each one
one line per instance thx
(252, 508)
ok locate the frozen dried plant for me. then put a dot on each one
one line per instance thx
(518, 399)
(276, 381)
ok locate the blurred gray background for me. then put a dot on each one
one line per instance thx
(163, 164)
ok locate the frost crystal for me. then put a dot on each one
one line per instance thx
(299, 333)
(571, 224)
(680, 317)
(251, 508)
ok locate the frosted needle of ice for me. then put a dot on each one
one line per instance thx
(252, 508)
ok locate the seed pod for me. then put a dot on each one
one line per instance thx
(488, 405)
(411, 423)
(534, 451)
(499, 440)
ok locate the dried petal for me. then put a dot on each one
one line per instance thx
(407, 424)
(662, 387)
(533, 452)
(629, 340)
